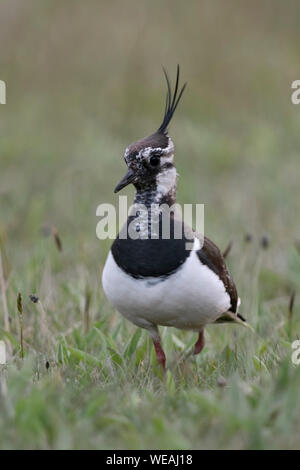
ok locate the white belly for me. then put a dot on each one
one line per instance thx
(188, 299)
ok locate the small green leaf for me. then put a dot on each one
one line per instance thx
(170, 382)
(79, 355)
(115, 356)
(7, 335)
(131, 348)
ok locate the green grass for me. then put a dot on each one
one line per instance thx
(80, 88)
(103, 388)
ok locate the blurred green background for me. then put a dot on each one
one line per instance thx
(84, 80)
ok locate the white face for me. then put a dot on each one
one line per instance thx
(166, 181)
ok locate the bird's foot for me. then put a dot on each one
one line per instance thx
(200, 343)
(160, 355)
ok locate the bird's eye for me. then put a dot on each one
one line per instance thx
(154, 160)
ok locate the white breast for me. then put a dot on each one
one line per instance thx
(189, 298)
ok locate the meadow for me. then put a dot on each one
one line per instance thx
(84, 80)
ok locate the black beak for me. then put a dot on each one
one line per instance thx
(128, 178)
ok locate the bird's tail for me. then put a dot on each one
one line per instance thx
(230, 317)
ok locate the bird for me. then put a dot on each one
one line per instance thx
(155, 280)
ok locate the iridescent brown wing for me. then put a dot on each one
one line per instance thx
(211, 256)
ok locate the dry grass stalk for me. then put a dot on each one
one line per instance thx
(20, 310)
(3, 296)
(86, 313)
(291, 306)
(57, 239)
(43, 316)
(227, 249)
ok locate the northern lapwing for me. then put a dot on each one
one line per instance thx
(158, 280)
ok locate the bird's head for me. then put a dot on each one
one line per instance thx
(150, 160)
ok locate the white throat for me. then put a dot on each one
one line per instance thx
(166, 182)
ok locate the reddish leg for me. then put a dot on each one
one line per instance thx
(160, 355)
(200, 343)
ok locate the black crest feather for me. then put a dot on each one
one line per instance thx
(171, 103)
